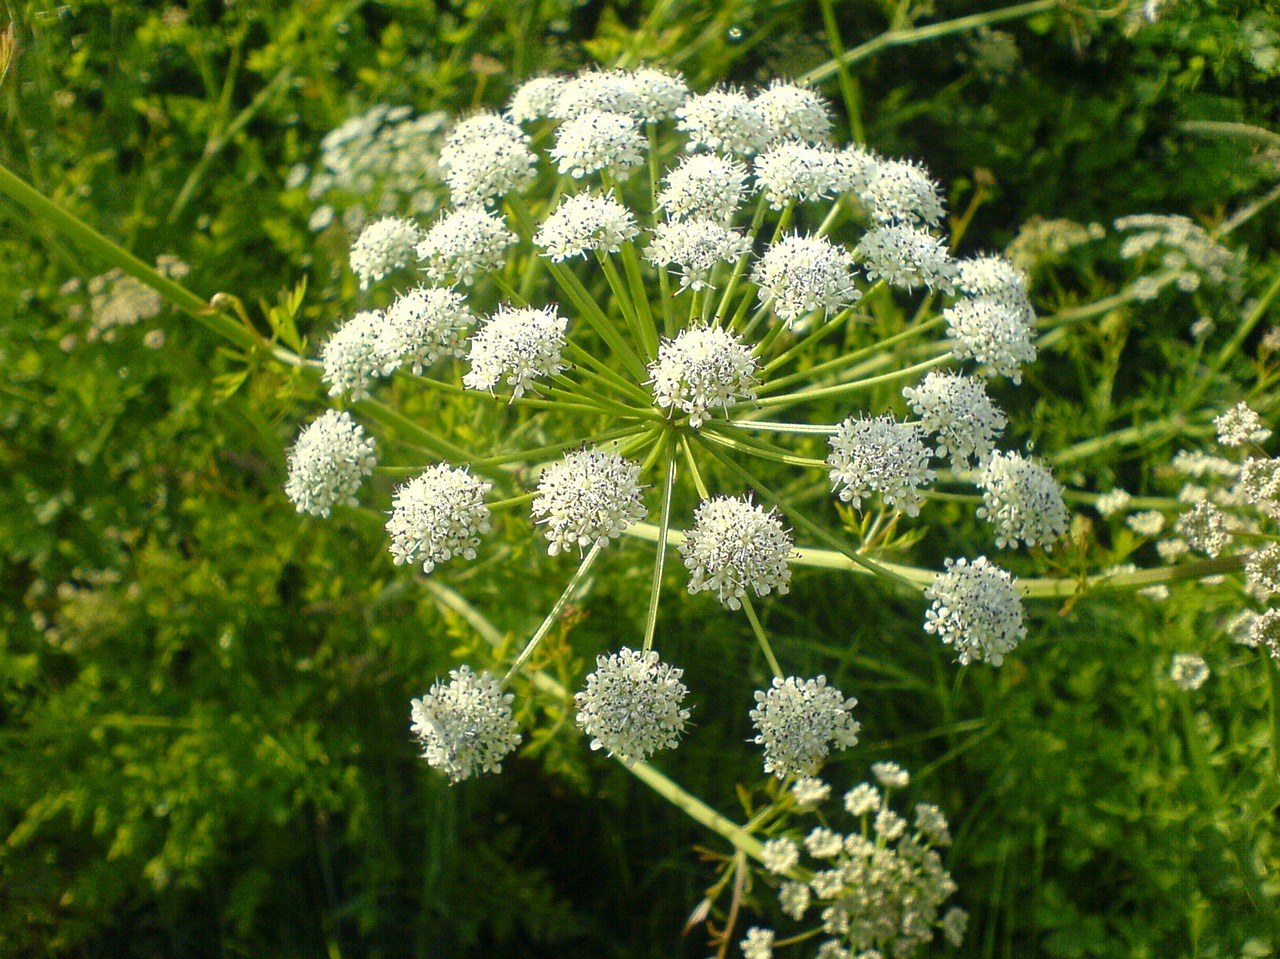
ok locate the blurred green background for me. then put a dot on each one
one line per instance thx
(204, 744)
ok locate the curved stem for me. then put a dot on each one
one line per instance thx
(664, 527)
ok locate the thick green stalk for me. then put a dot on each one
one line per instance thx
(108, 251)
(664, 526)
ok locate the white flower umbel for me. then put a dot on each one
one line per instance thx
(659, 93)
(535, 99)
(1264, 630)
(958, 410)
(465, 243)
(734, 546)
(724, 121)
(880, 455)
(437, 516)
(598, 91)
(382, 247)
(901, 191)
(890, 775)
(1262, 572)
(483, 127)
(1239, 426)
(354, 355)
(758, 944)
(1023, 501)
(993, 333)
(800, 274)
(1204, 527)
(328, 463)
(795, 112)
(791, 170)
(584, 223)
(907, 257)
(1188, 672)
(597, 141)
(589, 497)
(631, 706)
(704, 185)
(977, 608)
(1260, 483)
(519, 344)
(780, 855)
(798, 721)
(465, 725)
(424, 324)
(700, 369)
(487, 170)
(696, 246)
(997, 278)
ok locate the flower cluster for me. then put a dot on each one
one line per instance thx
(465, 725)
(878, 889)
(648, 304)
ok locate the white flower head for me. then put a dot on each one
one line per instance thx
(482, 127)
(658, 93)
(702, 368)
(890, 775)
(383, 247)
(1188, 672)
(801, 274)
(862, 800)
(584, 223)
(437, 516)
(758, 944)
(1113, 501)
(794, 111)
(977, 608)
(735, 546)
(957, 409)
(631, 705)
(328, 463)
(1022, 500)
(588, 498)
(1264, 630)
(704, 185)
(780, 855)
(993, 333)
(724, 121)
(1146, 523)
(1240, 425)
(598, 91)
(1262, 572)
(465, 243)
(465, 725)
(798, 721)
(535, 99)
(809, 791)
(907, 257)
(901, 191)
(880, 455)
(487, 170)
(354, 355)
(1204, 527)
(1260, 483)
(596, 141)
(997, 278)
(794, 171)
(424, 324)
(696, 246)
(518, 344)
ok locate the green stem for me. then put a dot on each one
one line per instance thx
(843, 389)
(553, 616)
(568, 281)
(79, 231)
(898, 38)
(664, 527)
(761, 638)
